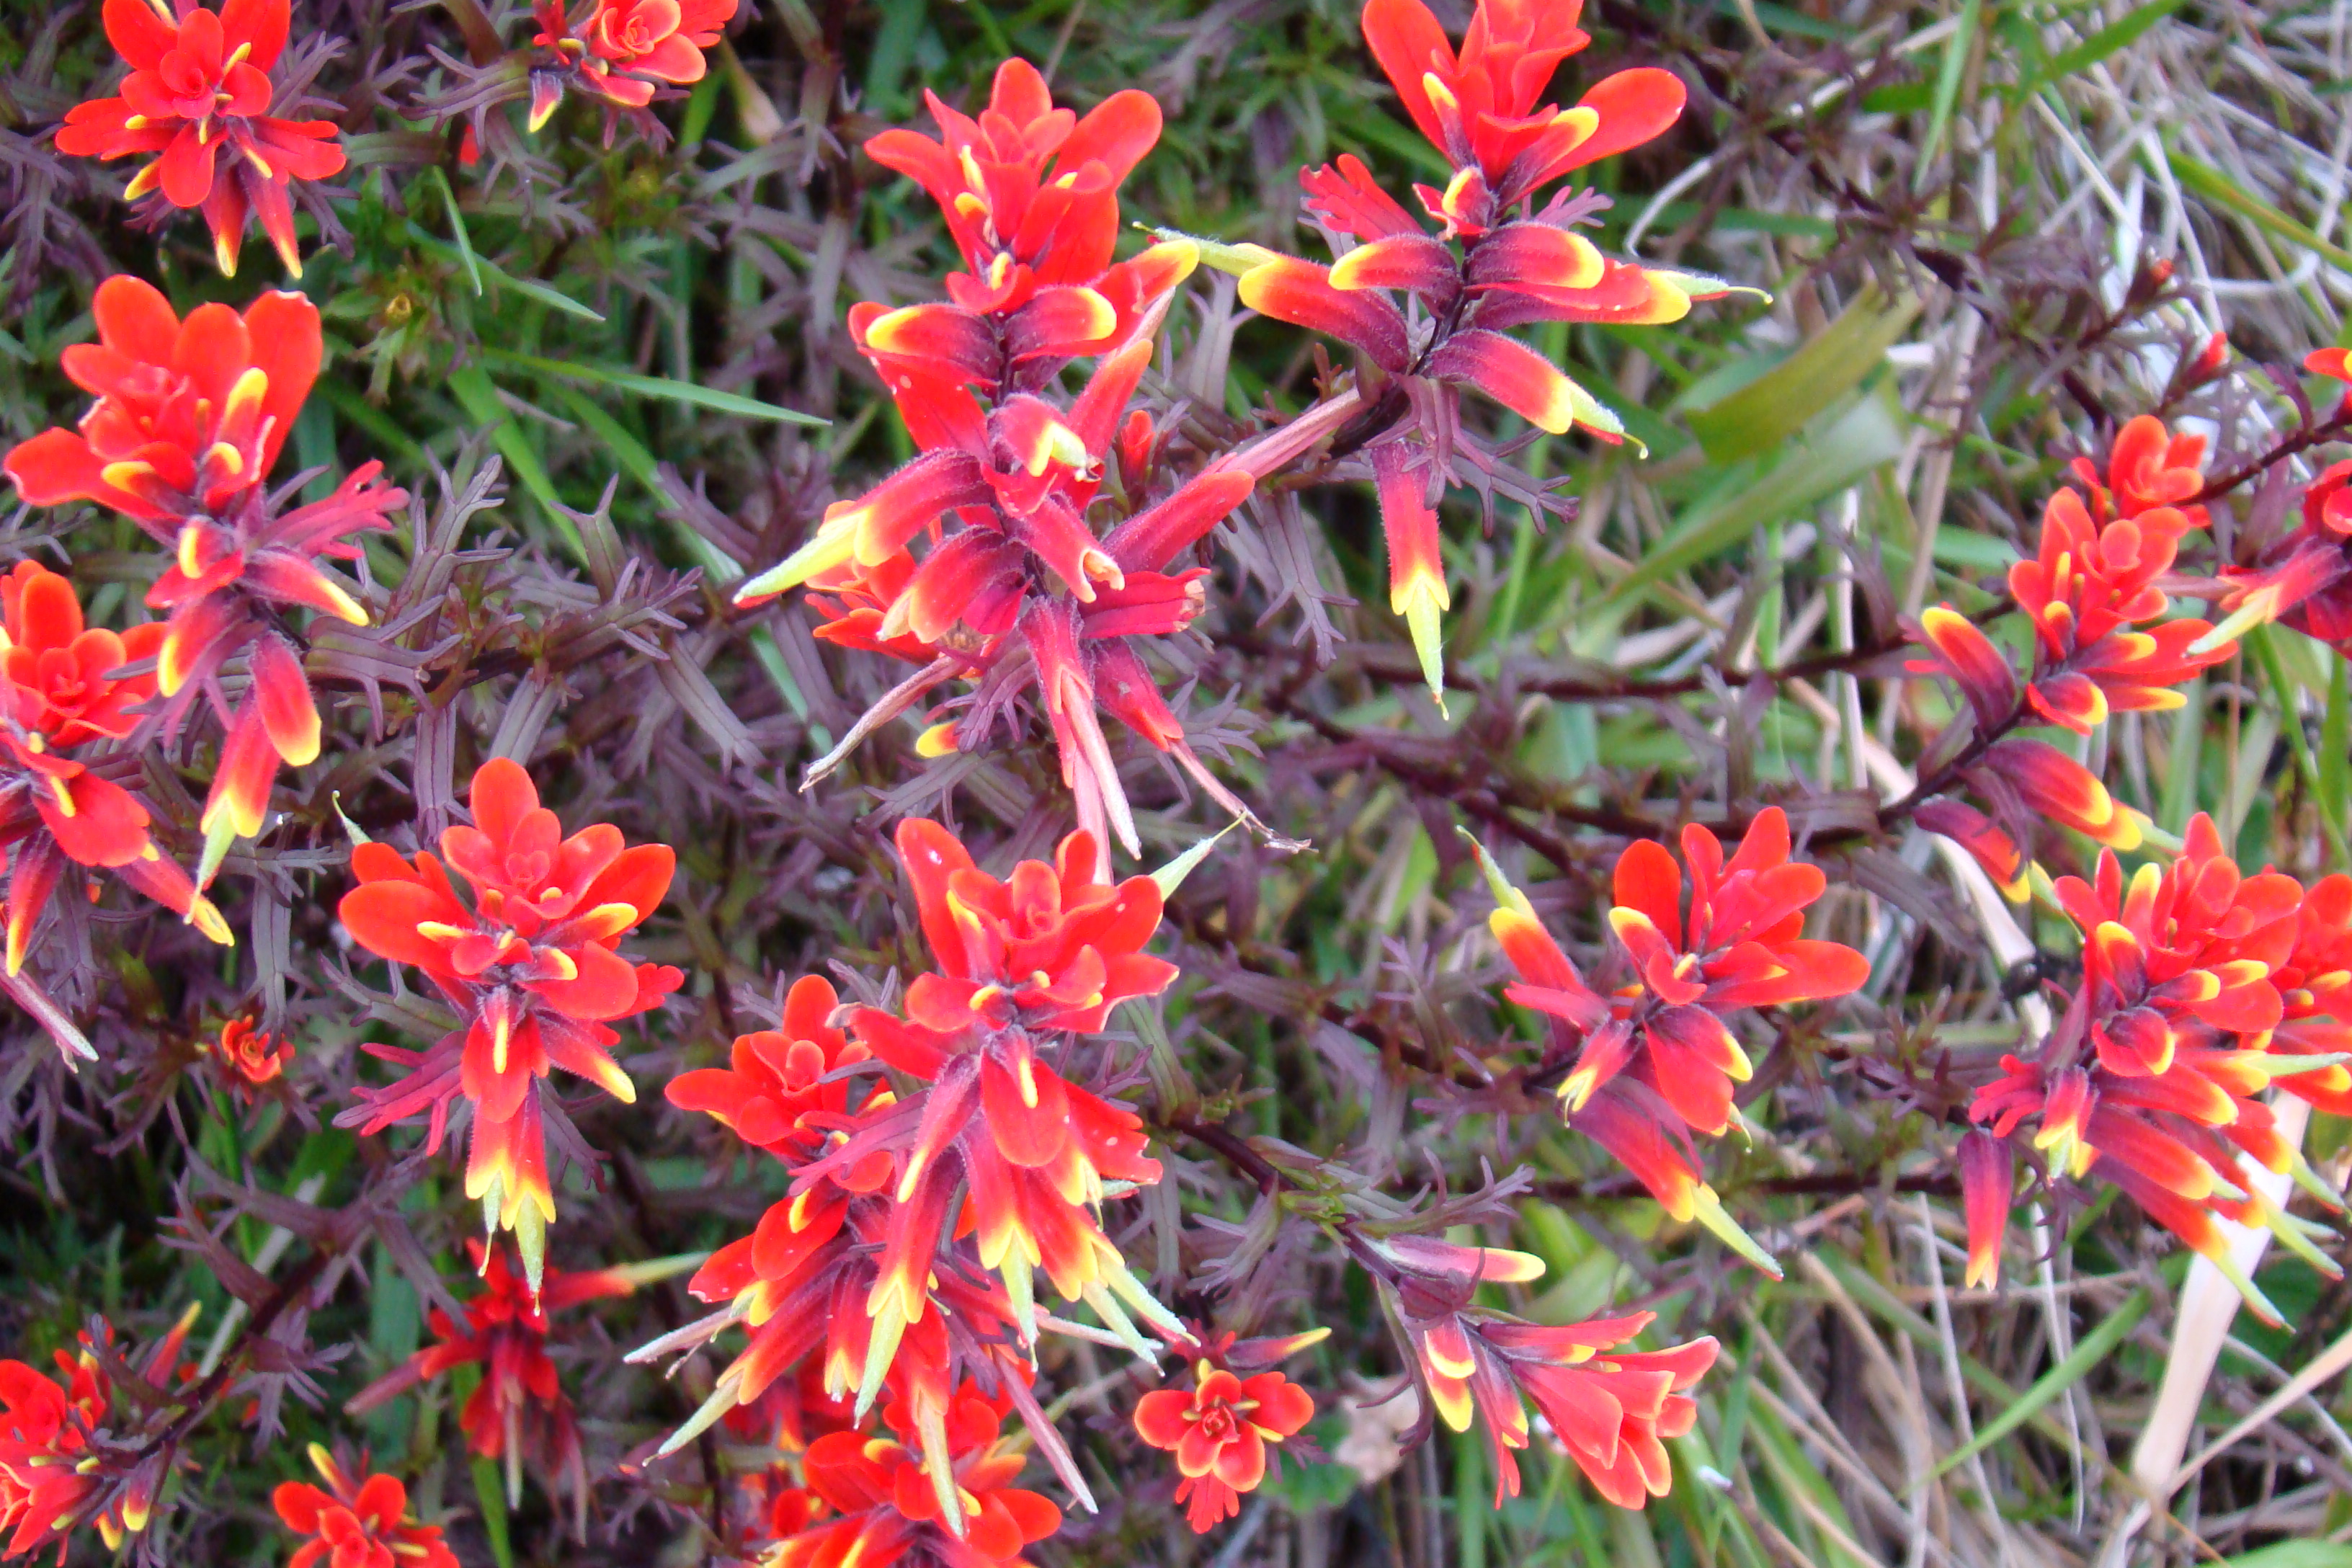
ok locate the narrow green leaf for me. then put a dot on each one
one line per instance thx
(457, 228)
(1171, 877)
(684, 391)
(491, 1494)
(2093, 1347)
(2314, 768)
(1947, 87)
(2335, 748)
(529, 289)
(472, 388)
(2222, 191)
(2114, 37)
(1773, 407)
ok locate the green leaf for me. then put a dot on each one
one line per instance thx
(492, 1496)
(457, 228)
(1947, 87)
(471, 386)
(2294, 1554)
(2223, 191)
(529, 289)
(2093, 1347)
(1773, 407)
(1864, 437)
(2117, 35)
(684, 391)
(2334, 743)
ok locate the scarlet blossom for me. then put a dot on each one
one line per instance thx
(773, 1505)
(889, 1509)
(530, 964)
(1495, 264)
(2148, 1079)
(620, 50)
(1219, 1431)
(1654, 1061)
(1030, 191)
(1610, 1408)
(198, 96)
(61, 1468)
(519, 1410)
(249, 1056)
(780, 1092)
(189, 420)
(2315, 985)
(357, 1523)
(62, 692)
(2304, 580)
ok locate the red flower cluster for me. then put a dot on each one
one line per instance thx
(1489, 269)
(2101, 645)
(60, 1467)
(519, 1410)
(903, 1204)
(1222, 1428)
(2305, 578)
(2149, 1077)
(1654, 1061)
(1024, 593)
(357, 1523)
(198, 96)
(621, 52)
(1610, 1408)
(890, 1509)
(61, 692)
(189, 420)
(531, 965)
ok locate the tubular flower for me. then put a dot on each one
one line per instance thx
(60, 1467)
(60, 694)
(620, 50)
(518, 1411)
(2315, 982)
(888, 1508)
(1219, 1432)
(357, 1523)
(198, 96)
(778, 1093)
(249, 1057)
(1608, 1408)
(190, 418)
(2148, 1080)
(1490, 268)
(530, 964)
(2306, 579)
(1654, 1061)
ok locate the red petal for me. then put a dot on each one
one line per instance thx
(1301, 293)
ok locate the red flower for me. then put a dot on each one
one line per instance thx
(1030, 191)
(359, 1525)
(778, 1094)
(1609, 1410)
(619, 50)
(59, 1468)
(2315, 985)
(519, 1410)
(1655, 1061)
(2142, 1083)
(2306, 579)
(250, 1057)
(190, 418)
(198, 95)
(1480, 108)
(532, 968)
(890, 1509)
(59, 693)
(1219, 1432)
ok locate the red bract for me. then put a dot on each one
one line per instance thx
(1030, 191)
(1490, 269)
(532, 967)
(778, 1093)
(890, 1511)
(1654, 1061)
(59, 1468)
(59, 693)
(190, 418)
(2148, 1080)
(249, 1057)
(1609, 1410)
(2306, 579)
(357, 1523)
(1219, 1432)
(519, 1410)
(621, 52)
(198, 95)
(2315, 983)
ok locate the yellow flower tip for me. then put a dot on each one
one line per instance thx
(205, 917)
(1577, 1089)
(939, 741)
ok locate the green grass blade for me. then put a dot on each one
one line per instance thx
(2095, 1348)
(661, 386)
